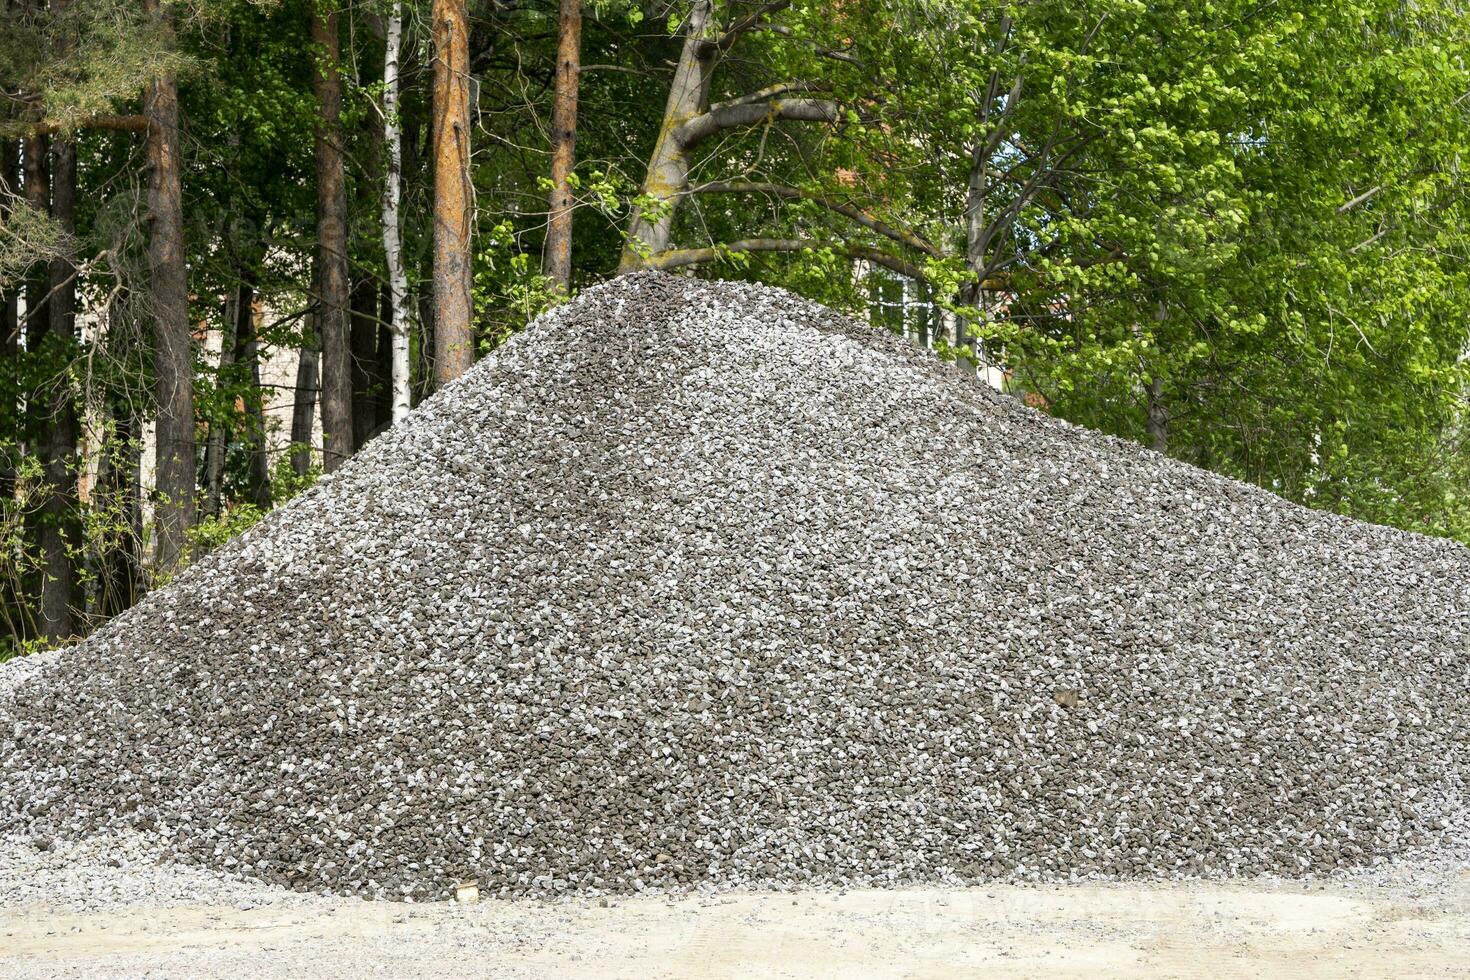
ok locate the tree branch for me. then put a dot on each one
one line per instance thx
(903, 236)
(692, 131)
(768, 93)
(46, 127)
(681, 257)
(732, 34)
(832, 53)
(1361, 198)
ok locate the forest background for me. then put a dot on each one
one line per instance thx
(1233, 230)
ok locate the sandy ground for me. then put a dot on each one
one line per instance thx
(1168, 930)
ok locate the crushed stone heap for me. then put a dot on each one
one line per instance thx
(701, 583)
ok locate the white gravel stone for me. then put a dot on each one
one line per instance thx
(117, 871)
(701, 584)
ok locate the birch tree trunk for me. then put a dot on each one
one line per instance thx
(453, 196)
(332, 272)
(557, 261)
(173, 361)
(392, 194)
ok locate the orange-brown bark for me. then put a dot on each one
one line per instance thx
(453, 196)
(557, 261)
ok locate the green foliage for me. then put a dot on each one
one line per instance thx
(16, 511)
(1247, 218)
(508, 289)
(216, 530)
(26, 236)
(1255, 211)
(82, 60)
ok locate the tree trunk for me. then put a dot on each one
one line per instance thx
(59, 531)
(1158, 416)
(247, 353)
(668, 168)
(9, 343)
(383, 367)
(557, 260)
(453, 196)
(331, 214)
(364, 360)
(173, 361)
(392, 195)
(36, 175)
(304, 409)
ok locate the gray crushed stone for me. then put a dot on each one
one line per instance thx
(701, 584)
(14, 673)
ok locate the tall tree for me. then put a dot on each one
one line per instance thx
(169, 301)
(333, 288)
(247, 354)
(36, 170)
(60, 535)
(9, 336)
(392, 194)
(690, 119)
(364, 344)
(557, 261)
(453, 194)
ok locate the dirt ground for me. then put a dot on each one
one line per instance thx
(1169, 930)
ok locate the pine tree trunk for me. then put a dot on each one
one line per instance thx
(247, 353)
(59, 531)
(364, 359)
(10, 417)
(9, 344)
(557, 260)
(392, 240)
(453, 197)
(36, 176)
(332, 270)
(173, 361)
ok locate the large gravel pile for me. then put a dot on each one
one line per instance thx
(703, 583)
